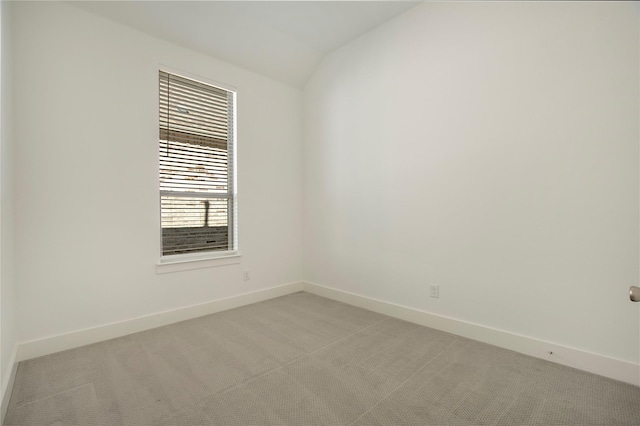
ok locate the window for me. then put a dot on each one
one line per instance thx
(197, 176)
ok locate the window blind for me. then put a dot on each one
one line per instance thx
(196, 166)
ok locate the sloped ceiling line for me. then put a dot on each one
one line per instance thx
(283, 40)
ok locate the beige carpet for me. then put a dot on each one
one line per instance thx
(304, 360)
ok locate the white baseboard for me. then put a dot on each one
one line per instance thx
(75, 339)
(605, 366)
(617, 369)
(7, 384)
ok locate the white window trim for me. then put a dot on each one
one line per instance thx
(190, 261)
(197, 77)
(186, 262)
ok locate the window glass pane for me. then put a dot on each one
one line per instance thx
(195, 154)
(193, 212)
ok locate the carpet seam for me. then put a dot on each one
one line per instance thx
(404, 382)
(275, 369)
(42, 398)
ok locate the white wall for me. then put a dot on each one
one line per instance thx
(87, 222)
(7, 283)
(489, 148)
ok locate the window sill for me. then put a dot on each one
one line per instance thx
(188, 263)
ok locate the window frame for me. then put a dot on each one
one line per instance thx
(202, 259)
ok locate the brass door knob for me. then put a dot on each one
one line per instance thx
(634, 293)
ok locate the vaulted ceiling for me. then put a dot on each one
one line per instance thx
(284, 40)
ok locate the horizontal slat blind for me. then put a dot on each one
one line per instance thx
(194, 112)
(187, 167)
(196, 166)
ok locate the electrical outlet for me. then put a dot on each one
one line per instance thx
(435, 291)
(246, 276)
